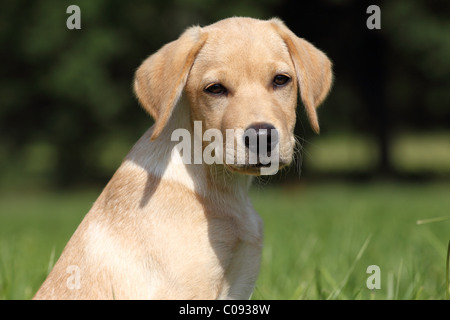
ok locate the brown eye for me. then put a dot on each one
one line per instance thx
(280, 80)
(216, 89)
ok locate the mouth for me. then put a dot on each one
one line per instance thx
(257, 169)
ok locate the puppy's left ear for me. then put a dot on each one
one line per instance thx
(313, 70)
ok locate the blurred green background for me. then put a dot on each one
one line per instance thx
(68, 117)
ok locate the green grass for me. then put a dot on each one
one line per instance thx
(319, 239)
(34, 229)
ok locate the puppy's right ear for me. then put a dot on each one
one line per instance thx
(160, 79)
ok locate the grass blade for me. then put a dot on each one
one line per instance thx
(399, 275)
(51, 261)
(447, 280)
(338, 291)
(431, 220)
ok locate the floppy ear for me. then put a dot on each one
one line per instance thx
(160, 79)
(313, 69)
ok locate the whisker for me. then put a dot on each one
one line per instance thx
(298, 153)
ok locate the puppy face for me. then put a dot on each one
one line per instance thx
(244, 81)
(241, 77)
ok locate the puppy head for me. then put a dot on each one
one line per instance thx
(240, 75)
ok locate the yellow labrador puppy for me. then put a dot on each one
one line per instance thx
(175, 221)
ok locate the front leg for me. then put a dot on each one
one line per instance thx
(242, 272)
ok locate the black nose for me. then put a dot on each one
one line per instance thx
(258, 134)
